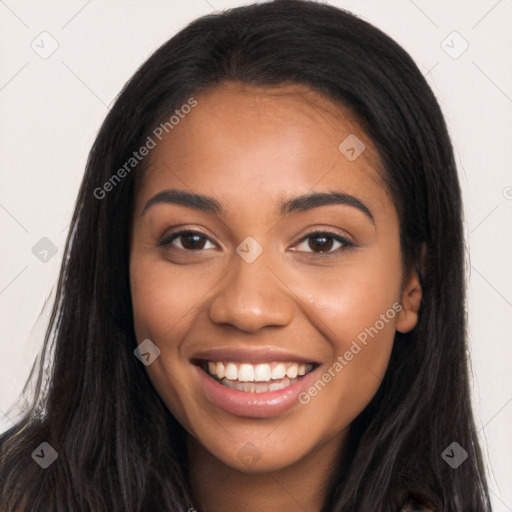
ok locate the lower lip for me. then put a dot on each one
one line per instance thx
(252, 405)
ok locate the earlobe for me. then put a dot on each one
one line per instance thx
(411, 301)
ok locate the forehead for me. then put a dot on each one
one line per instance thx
(244, 139)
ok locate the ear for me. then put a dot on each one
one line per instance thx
(410, 301)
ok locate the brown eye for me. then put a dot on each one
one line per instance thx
(192, 241)
(186, 240)
(323, 242)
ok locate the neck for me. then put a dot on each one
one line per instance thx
(217, 487)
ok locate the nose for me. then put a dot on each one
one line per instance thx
(252, 297)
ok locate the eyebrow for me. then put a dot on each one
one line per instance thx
(297, 204)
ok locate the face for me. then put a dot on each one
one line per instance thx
(265, 266)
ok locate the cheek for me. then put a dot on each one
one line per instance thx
(163, 308)
(356, 309)
(353, 297)
(162, 300)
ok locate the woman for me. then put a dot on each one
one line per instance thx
(262, 303)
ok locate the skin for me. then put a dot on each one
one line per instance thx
(251, 148)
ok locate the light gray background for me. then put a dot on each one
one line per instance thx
(51, 109)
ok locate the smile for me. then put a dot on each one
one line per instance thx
(256, 378)
(253, 383)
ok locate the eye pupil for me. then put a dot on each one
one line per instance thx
(190, 241)
(324, 244)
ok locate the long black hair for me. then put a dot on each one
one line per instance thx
(119, 448)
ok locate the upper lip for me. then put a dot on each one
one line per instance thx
(250, 355)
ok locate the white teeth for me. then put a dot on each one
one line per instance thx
(262, 373)
(219, 370)
(278, 372)
(257, 373)
(258, 387)
(275, 386)
(231, 371)
(292, 371)
(246, 373)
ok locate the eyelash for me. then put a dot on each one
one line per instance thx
(168, 238)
